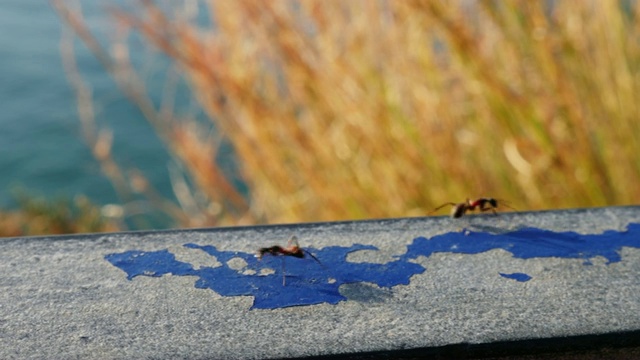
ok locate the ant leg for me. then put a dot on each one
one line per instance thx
(493, 210)
(441, 206)
(284, 276)
(486, 207)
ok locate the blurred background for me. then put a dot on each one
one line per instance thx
(123, 115)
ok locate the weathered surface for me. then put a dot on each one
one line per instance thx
(65, 297)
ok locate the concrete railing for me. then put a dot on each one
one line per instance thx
(560, 282)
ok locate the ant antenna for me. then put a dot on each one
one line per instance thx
(506, 204)
(313, 256)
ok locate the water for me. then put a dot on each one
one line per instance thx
(41, 147)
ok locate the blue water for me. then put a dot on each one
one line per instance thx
(41, 147)
(309, 283)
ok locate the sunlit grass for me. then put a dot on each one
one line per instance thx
(361, 109)
(38, 216)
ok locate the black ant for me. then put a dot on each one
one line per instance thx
(482, 204)
(292, 249)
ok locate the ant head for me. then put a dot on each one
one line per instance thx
(493, 202)
(260, 253)
(297, 253)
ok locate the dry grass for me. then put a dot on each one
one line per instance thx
(37, 216)
(359, 109)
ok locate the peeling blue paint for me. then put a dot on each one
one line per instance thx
(149, 263)
(307, 281)
(520, 277)
(528, 243)
(311, 283)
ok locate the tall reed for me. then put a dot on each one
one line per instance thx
(360, 109)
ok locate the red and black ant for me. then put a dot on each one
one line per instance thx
(292, 249)
(482, 204)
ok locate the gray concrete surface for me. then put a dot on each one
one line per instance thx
(60, 298)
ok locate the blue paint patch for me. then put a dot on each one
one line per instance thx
(152, 263)
(530, 243)
(307, 281)
(521, 277)
(311, 283)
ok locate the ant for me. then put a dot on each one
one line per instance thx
(292, 249)
(482, 204)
